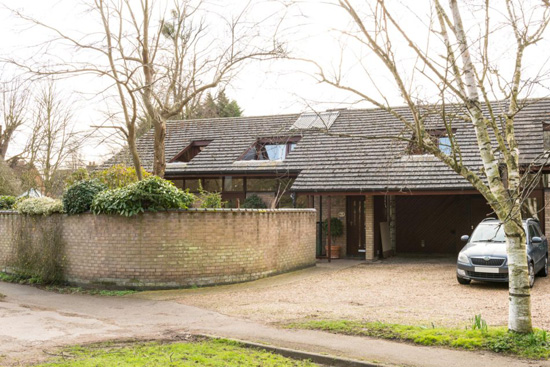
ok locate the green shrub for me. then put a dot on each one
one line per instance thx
(118, 176)
(7, 202)
(39, 206)
(336, 228)
(209, 199)
(254, 202)
(80, 174)
(78, 197)
(152, 194)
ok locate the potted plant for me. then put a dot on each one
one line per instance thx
(336, 230)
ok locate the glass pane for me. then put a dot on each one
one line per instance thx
(489, 233)
(192, 185)
(261, 184)
(302, 201)
(291, 147)
(212, 184)
(445, 145)
(286, 201)
(250, 155)
(275, 152)
(178, 183)
(233, 184)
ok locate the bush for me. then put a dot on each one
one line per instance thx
(119, 176)
(7, 202)
(39, 206)
(80, 174)
(79, 196)
(336, 227)
(254, 202)
(152, 194)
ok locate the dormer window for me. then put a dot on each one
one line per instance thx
(191, 151)
(271, 149)
(438, 136)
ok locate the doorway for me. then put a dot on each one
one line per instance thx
(355, 226)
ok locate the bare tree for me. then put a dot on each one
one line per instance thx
(15, 95)
(53, 139)
(160, 63)
(460, 65)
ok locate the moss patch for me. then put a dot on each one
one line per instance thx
(207, 353)
(60, 288)
(535, 345)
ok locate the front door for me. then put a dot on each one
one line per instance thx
(355, 225)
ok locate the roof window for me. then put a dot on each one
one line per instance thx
(191, 151)
(438, 136)
(315, 120)
(271, 149)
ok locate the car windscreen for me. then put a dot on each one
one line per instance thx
(493, 232)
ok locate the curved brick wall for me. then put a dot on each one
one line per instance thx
(176, 248)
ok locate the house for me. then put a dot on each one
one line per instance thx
(390, 197)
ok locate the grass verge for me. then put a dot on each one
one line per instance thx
(207, 353)
(60, 288)
(535, 345)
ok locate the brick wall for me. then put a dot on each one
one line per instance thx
(369, 227)
(178, 248)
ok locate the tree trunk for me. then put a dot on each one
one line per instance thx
(519, 314)
(159, 163)
(134, 153)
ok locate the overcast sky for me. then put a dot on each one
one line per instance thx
(273, 87)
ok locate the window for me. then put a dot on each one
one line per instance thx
(444, 143)
(439, 136)
(271, 149)
(315, 120)
(191, 151)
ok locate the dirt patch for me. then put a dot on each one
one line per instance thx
(409, 291)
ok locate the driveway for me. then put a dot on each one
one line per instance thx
(35, 323)
(398, 290)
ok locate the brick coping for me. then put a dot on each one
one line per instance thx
(198, 210)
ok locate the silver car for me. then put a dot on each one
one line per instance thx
(484, 257)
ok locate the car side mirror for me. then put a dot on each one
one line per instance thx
(536, 240)
(465, 238)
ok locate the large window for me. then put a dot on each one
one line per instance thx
(271, 149)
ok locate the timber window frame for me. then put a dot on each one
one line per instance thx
(191, 151)
(270, 149)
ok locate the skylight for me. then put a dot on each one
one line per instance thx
(316, 120)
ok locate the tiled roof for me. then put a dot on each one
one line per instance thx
(358, 154)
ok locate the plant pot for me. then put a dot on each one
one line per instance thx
(334, 252)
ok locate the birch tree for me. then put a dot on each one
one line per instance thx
(459, 65)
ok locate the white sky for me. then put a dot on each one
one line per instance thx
(272, 87)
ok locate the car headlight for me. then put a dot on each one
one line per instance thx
(462, 258)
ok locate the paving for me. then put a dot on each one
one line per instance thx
(35, 323)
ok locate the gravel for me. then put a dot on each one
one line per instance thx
(398, 290)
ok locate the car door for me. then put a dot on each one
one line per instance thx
(532, 248)
(543, 246)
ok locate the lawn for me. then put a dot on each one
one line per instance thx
(477, 336)
(204, 353)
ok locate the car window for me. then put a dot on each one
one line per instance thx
(532, 232)
(493, 232)
(538, 231)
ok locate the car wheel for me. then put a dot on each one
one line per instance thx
(463, 281)
(531, 275)
(544, 271)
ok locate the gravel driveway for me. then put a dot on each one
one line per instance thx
(400, 290)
